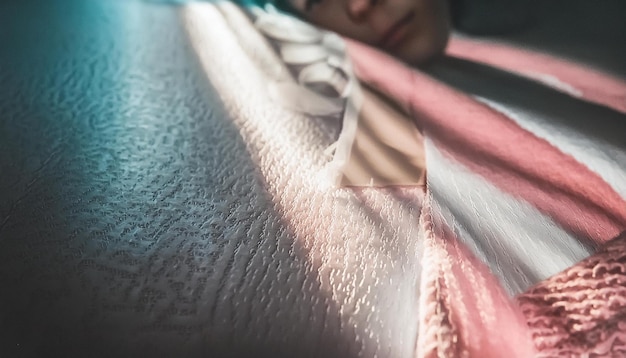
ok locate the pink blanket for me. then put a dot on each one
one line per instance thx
(509, 184)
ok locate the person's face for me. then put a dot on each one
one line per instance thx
(412, 30)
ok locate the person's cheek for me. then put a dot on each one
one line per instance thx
(429, 38)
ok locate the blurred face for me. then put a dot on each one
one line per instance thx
(412, 30)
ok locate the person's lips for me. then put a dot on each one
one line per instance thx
(397, 32)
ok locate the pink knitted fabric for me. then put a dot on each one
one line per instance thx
(581, 312)
(594, 85)
(502, 192)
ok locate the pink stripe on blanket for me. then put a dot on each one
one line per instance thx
(594, 85)
(492, 145)
(463, 309)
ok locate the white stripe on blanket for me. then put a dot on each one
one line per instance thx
(520, 245)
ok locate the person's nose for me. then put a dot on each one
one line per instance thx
(359, 9)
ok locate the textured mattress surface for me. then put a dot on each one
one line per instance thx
(140, 218)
